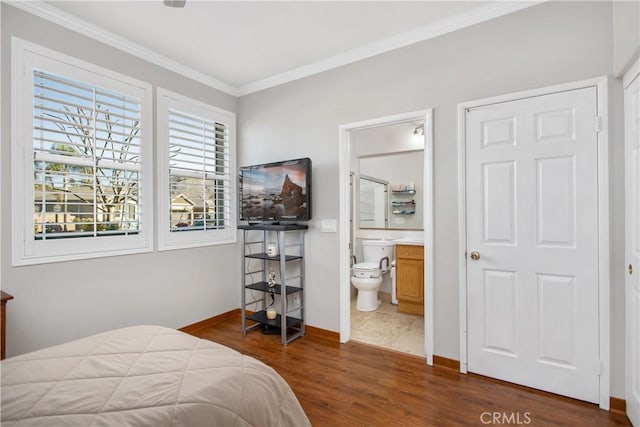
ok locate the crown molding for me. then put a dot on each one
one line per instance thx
(426, 32)
(72, 22)
(85, 28)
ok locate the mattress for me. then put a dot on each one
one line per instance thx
(144, 376)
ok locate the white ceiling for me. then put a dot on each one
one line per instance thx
(245, 46)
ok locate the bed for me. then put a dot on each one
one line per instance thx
(144, 376)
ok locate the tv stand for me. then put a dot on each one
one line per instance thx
(288, 264)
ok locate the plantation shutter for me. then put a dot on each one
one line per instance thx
(87, 159)
(199, 173)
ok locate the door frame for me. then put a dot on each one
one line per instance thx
(632, 74)
(344, 131)
(602, 88)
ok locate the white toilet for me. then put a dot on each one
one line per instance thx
(367, 276)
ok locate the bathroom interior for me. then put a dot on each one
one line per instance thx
(387, 237)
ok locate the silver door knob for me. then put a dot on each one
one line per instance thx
(475, 255)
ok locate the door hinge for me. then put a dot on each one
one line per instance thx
(598, 124)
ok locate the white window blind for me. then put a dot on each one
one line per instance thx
(87, 170)
(81, 152)
(198, 173)
(196, 151)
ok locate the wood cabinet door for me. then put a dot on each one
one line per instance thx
(410, 280)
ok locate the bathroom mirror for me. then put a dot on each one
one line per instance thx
(374, 202)
(392, 155)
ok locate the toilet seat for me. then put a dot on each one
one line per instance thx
(366, 269)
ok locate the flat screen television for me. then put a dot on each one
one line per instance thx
(278, 192)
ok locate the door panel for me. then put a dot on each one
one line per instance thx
(409, 279)
(632, 234)
(499, 131)
(556, 194)
(532, 214)
(500, 319)
(555, 126)
(556, 305)
(500, 206)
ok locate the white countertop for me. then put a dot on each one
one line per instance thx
(408, 241)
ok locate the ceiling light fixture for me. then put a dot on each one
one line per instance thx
(174, 3)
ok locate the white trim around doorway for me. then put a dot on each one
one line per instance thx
(602, 87)
(428, 221)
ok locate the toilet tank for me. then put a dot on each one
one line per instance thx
(375, 250)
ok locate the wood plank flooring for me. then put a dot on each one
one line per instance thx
(358, 385)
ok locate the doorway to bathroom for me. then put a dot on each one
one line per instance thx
(386, 198)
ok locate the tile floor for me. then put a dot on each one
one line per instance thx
(387, 328)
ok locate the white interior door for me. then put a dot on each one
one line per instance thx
(532, 218)
(632, 294)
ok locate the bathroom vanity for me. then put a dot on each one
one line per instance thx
(410, 278)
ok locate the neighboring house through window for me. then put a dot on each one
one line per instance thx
(196, 157)
(81, 159)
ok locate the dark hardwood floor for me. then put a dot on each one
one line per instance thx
(358, 385)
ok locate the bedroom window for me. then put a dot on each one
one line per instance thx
(196, 149)
(80, 150)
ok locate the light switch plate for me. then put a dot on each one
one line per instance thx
(328, 226)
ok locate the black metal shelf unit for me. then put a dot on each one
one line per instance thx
(255, 264)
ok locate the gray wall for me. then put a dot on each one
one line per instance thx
(547, 44)
(63, 301)
(385, 139)
(626, 35)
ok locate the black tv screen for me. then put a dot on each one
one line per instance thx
(276, 192)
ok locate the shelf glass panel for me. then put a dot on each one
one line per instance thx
(261, 317)
(273, 258)
(277, 289)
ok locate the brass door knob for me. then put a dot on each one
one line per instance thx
(475, 255)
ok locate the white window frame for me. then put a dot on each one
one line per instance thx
(168, 240)
(26, 56)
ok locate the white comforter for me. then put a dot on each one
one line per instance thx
(144, 376)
